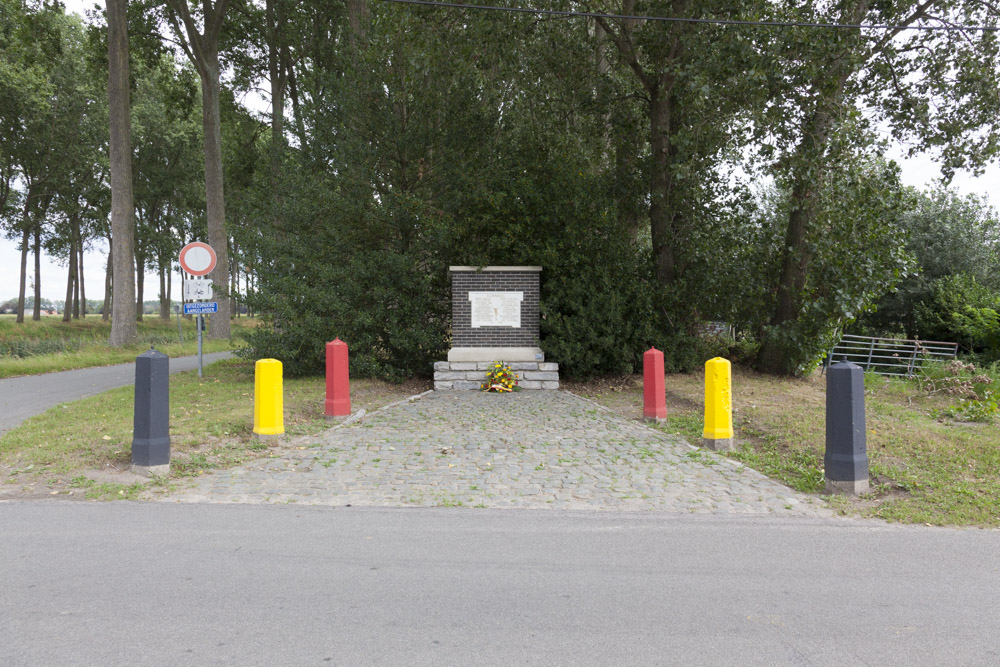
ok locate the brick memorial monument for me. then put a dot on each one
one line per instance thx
(494, 317)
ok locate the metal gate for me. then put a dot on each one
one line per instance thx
(890, 356)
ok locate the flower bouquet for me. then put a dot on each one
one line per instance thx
(500, 379)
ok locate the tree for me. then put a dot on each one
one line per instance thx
(123, 325)
(31, 47)
(202, 49)
(947, 235)
(858, 254)
(695, 98)
(167, 137)
(829, 74)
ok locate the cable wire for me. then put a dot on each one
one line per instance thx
(675, 19)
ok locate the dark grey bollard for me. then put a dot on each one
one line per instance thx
(151, 432)
(846, 459)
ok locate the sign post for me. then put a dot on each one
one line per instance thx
(198, 260)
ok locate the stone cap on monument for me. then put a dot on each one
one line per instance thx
(535, 269)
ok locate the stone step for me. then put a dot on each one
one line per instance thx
(469, 375)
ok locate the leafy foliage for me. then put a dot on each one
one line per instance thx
(963, 311)
(857, 253)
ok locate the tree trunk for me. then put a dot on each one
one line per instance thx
(358, 18)
(123, 327)
(234, 306)
(37, 313)
(164, 297)
(70, 275)
(74, 241)
(79, 274)
(660, 215)
(106, 309)
(76, 295)
(140, 280)
(219, 326)
(183, 281)
(25, 241)
(275, 13)
(810, 168)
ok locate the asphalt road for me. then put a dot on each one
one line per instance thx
(161, 584)
(23, 397)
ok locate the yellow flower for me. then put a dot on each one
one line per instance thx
(497, 366)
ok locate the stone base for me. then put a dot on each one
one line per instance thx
(719, 444)
(848, 488)
(469, 375)
(162, 470)
(508, 354)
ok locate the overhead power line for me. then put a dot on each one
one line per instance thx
(676, 19)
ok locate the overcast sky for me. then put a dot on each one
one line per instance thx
(919, 171)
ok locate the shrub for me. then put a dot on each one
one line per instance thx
(964, 311)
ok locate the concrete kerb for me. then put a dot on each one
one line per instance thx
(358, 416)
(362, 413)
(350, 419)
(161, 471)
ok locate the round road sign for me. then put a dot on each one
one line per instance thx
(197, 258)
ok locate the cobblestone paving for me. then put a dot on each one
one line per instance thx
(532, 449)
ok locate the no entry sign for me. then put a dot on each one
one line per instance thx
(197, 258)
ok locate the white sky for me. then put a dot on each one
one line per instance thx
(919, 171)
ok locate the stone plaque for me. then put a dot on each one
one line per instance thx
(496, 309)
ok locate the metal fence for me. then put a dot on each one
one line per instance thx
(890, 356)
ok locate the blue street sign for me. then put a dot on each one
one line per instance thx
(201, 307)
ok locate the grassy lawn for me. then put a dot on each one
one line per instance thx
(80, 449)
(928, 463)
(51, 345)
(925, 467)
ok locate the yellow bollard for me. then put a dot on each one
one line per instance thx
(268, 406)
(718, 433)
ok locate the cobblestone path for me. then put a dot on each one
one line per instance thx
(532, 449)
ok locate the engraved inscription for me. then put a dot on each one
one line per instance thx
(496, 309)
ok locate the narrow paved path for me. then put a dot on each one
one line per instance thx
(532, 449)
(24, 397)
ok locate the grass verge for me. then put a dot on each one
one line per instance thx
(925, 467)
(83, 449)
(50, 345)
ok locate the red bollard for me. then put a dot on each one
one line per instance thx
(338, 384)
(654, 392)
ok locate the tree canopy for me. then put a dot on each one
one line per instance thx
(664, 173)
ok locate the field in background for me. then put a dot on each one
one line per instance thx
(53, 345)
